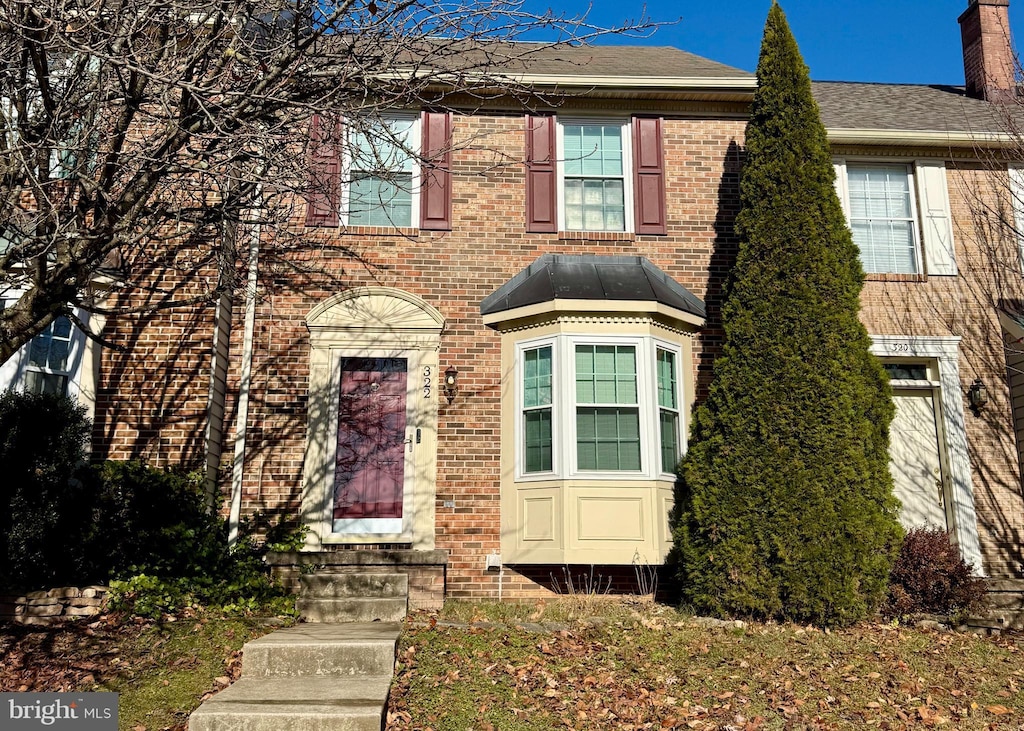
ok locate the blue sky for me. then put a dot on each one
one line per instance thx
(901, 41)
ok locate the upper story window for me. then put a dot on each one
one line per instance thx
(883, 217)
(594, 160)
(383, 173)
(389, 172)
(593, 405)
(899, 215)
(602, 175)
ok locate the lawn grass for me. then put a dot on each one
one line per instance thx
(647, 666)
(488, 667)
(161, 670)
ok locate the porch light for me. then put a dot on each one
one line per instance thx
(451, 383)
(977, 395)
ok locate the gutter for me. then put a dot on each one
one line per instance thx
(922, 138)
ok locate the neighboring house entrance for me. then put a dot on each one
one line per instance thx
(929, 461)
(915, 459)
(369, 473)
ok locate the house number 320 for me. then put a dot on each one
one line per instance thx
(427, 382)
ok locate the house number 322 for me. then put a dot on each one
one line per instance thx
(427, 382)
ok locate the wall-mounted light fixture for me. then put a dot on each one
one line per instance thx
(977, 395)
(451, 383)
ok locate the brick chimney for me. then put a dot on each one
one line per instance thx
(989, 63)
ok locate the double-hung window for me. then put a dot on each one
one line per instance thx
(598, 406)
(47, 369)
(383, 173)
(883, 218)
(899, 215)
(594, 173)
(48, 363)
(607, 408)
(537, 405)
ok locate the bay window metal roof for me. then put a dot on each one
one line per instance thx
(591, 277)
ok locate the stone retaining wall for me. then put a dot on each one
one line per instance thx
(53, 605)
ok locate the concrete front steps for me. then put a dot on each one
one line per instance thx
(311, 677)
(337, 596)
(332, 673)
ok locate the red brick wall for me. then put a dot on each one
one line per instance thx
(453, 271)
(990, 277)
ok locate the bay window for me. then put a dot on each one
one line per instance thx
(598, 406)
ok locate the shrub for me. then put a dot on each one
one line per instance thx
(152, 521)
(154, 536)
(44, 507)
(785, 498)
(930, 576)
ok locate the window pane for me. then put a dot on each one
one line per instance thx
(374, 201)
(606, 374)
(607, 439)
(58, 360)
(907, 371)
(537, 377)
(39, 353)
(537, 426)
(383, 146)
(37, 382)
(667, 379)
(61, 327)
(669, 440)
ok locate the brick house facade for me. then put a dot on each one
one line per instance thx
(537, 271)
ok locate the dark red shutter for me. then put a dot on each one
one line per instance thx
(541, 178)
(649, 176)
(324, 197)
(436, 188)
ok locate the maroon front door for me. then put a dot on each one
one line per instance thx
(370, 466)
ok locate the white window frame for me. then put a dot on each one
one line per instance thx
(14, 373)
(415, 137)
(627, 169)
(934, 240)
(563, 407)
(844, 190)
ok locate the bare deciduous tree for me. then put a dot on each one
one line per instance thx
(142, 131)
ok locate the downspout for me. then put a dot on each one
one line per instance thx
(245, 379)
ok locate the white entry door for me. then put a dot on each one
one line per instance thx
(916, 460)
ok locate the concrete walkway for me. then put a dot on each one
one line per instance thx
(326, 675)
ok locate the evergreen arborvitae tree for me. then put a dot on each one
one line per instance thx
(785, 504)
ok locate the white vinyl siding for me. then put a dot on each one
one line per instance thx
(1016, 173)
(594, 173)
